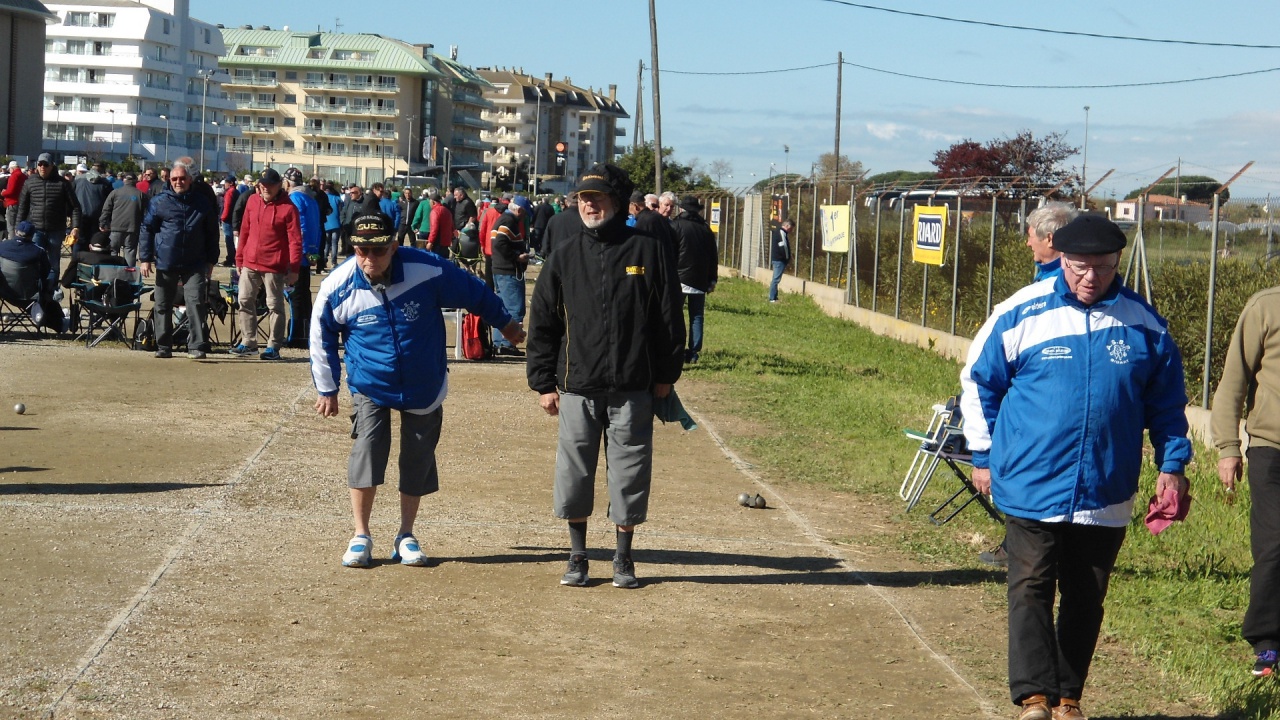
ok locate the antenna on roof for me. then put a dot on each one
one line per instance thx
(337, 25)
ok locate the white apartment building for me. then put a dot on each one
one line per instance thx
(135, 78)
(548, 128)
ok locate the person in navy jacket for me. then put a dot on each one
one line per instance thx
(1061, 382)
(385, 307)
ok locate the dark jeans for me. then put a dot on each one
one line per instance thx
(1262, 619)
(1047, 559)
(332, 243)
(511, 289)
(697, 304)
(52, 244)
(193, 292)
(229, 239)
(779, 267)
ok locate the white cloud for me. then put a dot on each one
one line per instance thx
(884, 131)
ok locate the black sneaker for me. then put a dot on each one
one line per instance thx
(624, 574)
(995, 557)
(163, 353)
(509, 350)
(576, 575)
(1266, 663)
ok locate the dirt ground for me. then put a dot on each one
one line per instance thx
(170, 536)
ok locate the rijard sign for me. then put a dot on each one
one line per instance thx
(930, 224)
(835, 228)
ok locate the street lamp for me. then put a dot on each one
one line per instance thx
(165, 118)
(786, 166)
(408, 148)
(113, 130)
(1084, 163)
(217, 153)
(204, 100)
(448, 156)
(537, 140)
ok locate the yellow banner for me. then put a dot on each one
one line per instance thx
(930, 235)
(835, 228)
(715, 216)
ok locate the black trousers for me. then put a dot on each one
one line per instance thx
(1047, 559)
(1262, 619)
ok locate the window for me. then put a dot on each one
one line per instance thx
(315, 54)
(361, 150)
(290, 75)
(78, 19)
(360, 104)
(75, 47)
(243, 97)
(102, 47)
(159, 53)
(338, 127)
(387, 82)
(312, 126)
(313, 79)
(290, 122)
(267, 98)
(240, 120)
(360, 128)
(242, 76)
(267, 76)
(337, 103)
(361, 81)
(310, 147)
(208, 36)
(268, 123)
(291, 99)
(162, 108)
(338, 79)
(355, 55)
(90, 104)
(288, 145)
(338, 148)
(166, 25)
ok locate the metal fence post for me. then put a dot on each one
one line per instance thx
(1208, 320)
(991, 251)
(955, 270)
(851, 284)
(902, 229)
(875, 259)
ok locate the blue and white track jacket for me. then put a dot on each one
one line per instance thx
(1057, 395)
(395, 336)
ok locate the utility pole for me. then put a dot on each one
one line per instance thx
(835, 176)
(657, 103)
(637, 137)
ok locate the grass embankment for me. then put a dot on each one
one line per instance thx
(833, 399)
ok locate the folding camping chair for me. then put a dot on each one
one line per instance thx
(233, 319)
(20, 287)
(943, 442)
(108, 296)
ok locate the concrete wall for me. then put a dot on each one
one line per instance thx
(21, 83)
(953, 347)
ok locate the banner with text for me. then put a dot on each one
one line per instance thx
(715, 216)
(835, 228)
(931, 225)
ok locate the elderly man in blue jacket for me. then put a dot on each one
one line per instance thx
(386, 306)
(1060, 383)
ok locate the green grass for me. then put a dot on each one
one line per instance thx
(828, 402)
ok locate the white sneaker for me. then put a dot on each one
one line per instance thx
(408, 552)
(359, 552)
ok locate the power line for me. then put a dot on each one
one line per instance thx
(1100, 36)
(748, 72)
(1110, 86)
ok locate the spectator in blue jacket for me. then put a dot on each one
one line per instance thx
(386, 305)
(332, 229)
(386, 202)
(179, 243)
(1060, 383)
(312, 227)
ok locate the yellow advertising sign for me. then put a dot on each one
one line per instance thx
(930, 233)
(835, 228)
(715, 216)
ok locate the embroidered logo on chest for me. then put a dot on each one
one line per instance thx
(1119, 352)
(411, 310)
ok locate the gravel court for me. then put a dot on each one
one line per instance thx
(741, 611)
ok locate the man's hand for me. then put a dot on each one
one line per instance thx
(514, 331)
(1172, 482)
(981, 479)
(327, 406)
(661, 390)
(146, 268)
(1229, 471)
(290, 278)
(550, 402)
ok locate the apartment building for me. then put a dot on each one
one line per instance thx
(548, 130)
(351, 107)
(134, 78)
(461, 107)
(22, 28)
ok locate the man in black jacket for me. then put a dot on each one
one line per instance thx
(697, 265)
(122, 215)
(92, 188)
(614, 291)
(48, 202)
(779, 255)
(510, 259)
(464, 209)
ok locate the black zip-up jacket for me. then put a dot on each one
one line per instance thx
(507, 242)
(697, 259)
(47, 203)
(606, 314)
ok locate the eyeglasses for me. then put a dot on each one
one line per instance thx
(42, 164)
(372, 251)
(1082, 269)
(179, 178)
(653, 207)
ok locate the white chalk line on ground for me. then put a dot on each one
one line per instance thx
(175, 551)
(806, 527)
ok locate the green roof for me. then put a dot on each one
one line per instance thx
(463, 73)
(295, 49)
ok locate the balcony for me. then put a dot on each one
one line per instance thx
(471, 98)
(254, 105)
(384, 111)
(502, 118)
(385, 87)
(472, 143)
(510, 138)
(254, 81)
(233, 146)
(384, 134)
(258, 129)
(472, 121)
(327, 109)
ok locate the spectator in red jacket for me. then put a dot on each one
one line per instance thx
(440, 239)
(270, 256)
(12, 191)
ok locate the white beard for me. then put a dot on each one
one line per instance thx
(596, 224)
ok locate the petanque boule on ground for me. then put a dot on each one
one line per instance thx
(20, 408)
(744, 499)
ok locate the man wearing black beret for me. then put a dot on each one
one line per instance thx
(1060, 383)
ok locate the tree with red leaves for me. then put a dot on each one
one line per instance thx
(1036, 163)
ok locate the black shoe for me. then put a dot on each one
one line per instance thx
(509, 350)
(196, 354)
(995, 557)
(163, 353)
(576, 575)
(624, 574)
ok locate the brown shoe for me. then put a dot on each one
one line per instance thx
(1068, 709)
(1035, 707)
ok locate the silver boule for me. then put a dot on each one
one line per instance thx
(758, 503)
(744, 499)
(20, 408)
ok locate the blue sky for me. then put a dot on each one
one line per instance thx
(889, 122)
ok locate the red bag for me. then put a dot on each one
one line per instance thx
(477, 340)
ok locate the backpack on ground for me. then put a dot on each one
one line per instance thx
(477, 339)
